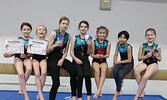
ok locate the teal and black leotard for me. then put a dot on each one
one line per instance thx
(83, 70)
(147, 49)
(52, 61)
(58, 51)
(124, 67)
(25, 50)
(78, 50)
(123, 52)
(100, 45)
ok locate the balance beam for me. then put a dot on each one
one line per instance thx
(159, 75)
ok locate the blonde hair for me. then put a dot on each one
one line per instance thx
(151, 30)
(40, 26)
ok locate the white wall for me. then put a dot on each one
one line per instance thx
(135, 16)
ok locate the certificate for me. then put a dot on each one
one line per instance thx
(37, 46)
(14, 46)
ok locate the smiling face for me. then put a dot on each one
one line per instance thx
(63, 25)
(122, 39)
(41, 31)
(150, 35)
(101, 34)
(26, 30)
(83, 28)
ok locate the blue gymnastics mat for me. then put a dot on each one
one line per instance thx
(13, 95)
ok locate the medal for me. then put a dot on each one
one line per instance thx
(82, 50)
(82, 53)
(82, 47)
(148, 60)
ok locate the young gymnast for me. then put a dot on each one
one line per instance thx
(39, 63)
(150, 54)
(58, 47)
(125, 65)
(21, 60)
(100, 51)
(80, 50)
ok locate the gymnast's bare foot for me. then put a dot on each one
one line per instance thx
(120, 93)
(80, 98)
(26, 97)
(115, 96)
(142, 95)
(41, 97)
(38, 97)
(136, 98)
(20, 92)
(88, 97)
(96, 95)
(100, 95)
(74, 98)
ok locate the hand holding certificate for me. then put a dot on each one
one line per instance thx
(14, 46)
(37, 46)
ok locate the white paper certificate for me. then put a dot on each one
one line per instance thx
(14, 46)
(37, 46)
